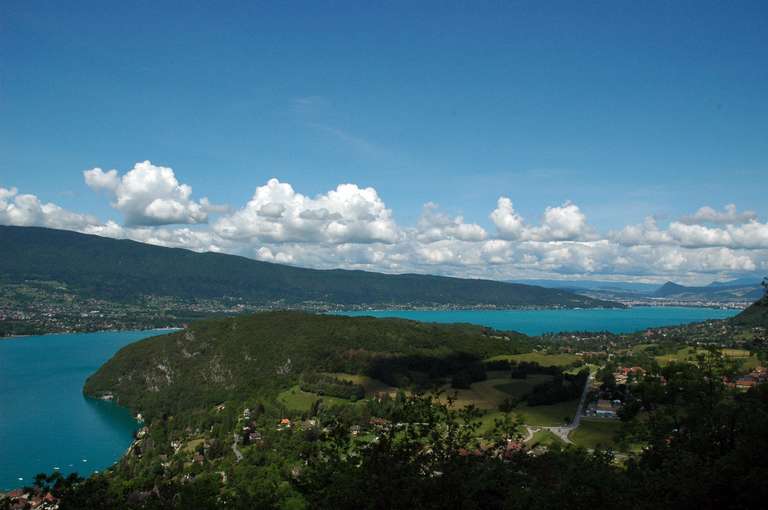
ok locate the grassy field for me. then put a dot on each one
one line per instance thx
(370, 384)
(538, 416)
(192, 446)
(544, 438)
(488, 394)
(548, 416)
(689, 354)
(575, 370)
(518, 387)
(596, 432)
(542, 358)
(297, 400)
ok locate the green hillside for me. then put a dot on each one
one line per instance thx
(236, 358)
(755, 315)
(122, 270)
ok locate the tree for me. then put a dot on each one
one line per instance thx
(700, 434)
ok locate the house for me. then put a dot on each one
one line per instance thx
(605, 409)
(378, 422)
(745, 382)
(512, 448)
(255, 438)
(623, 374)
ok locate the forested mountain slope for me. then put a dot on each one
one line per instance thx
(123, 270)
(236, 358)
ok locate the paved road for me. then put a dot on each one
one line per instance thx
(562, 432)
(238, 454)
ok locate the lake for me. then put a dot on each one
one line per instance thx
(536, 322)
(45, 421)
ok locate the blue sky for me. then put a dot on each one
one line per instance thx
(626, 109)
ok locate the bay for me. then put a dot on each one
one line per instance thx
(45, 421)
(537, 322)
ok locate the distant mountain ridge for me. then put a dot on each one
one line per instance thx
(669, 289)
(123, 270)
(721, 291)
(617, 286)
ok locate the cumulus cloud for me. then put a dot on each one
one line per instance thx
(150, 195)
(509, 224)
(729, 215)
(750, 236)
(28, 211)
(436, 226)
(646, 233)
(277, 214)
(351, 227)
(561, 223)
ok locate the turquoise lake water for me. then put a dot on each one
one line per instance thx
(536, 322)
(45, 421)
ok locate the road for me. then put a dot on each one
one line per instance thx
(238, 454)
(562, 432)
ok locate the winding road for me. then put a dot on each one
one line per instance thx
(238, 453)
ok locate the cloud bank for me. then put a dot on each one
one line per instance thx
(352, 227)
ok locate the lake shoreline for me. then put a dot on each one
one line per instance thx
(87, 434)
(112, 330)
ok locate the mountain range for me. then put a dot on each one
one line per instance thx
(125, 271)
(716, 291)
(741, 290)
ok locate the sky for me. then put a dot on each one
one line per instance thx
(504, 140)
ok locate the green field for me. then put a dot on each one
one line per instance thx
(493, 391)
(518, 387)
(597, 432)
(575, 370)
(297, 400)
(542, 358)
(192, 446)
(369, 384)
(536, 416)
(689, 354)
(545, 438)
(548, 416)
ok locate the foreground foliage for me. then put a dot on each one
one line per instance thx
(706, 447)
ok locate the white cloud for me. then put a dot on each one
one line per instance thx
(436, 226)
(278, 214)
(27, 211)
(150, 195)
(351, 227)
(563, 223)
(647, 233)
(98, 179)
(560, 223)
(699, 235)
(509, 224)
(729, 215)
